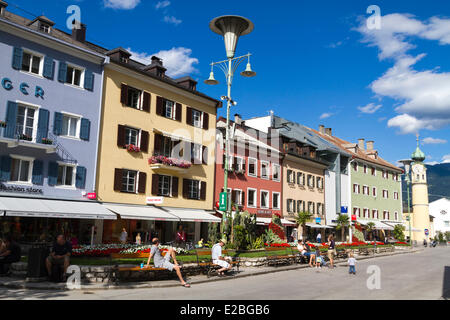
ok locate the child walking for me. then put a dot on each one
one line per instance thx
(351, 264)
(318, 258)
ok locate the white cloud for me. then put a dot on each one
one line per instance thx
(162, 4)
(446, 158)
(431, 163)
(121, 4)
(325, 115)
(431, 140)
(172, 19)
(423, 96)
(178, 61)
(370, 108)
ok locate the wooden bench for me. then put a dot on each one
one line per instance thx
(341, 254)
(274, 257)
(204, 261)
(145, 255)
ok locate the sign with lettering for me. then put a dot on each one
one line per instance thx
(7, 84)
(223, 201)
(20, 189)
(155, 200)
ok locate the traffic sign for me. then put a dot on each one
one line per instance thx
(344, 209)
(426, 232)
(223, 201)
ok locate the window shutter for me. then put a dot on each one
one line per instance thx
(235, 164)
(42, 130)
(186, 188)
(146, 102)
(11, 118)
(124, 94)
(243, 198)
(62, 72)
(189, 116)
(89, 80)
(57, 123)
(223, 161)
(155, 184)
(204, 155)
(5, 168)
(118, 176)
(205, 121)
(85, 129)
(120, 136)
(159, 106)
(203, 190)
(158, 144)
(175, 187)
(142, 182)
(17, 58)
(178, 111)
(80, 178)
(52, 173)
(49, 67)
(144, 141)
(233, 195)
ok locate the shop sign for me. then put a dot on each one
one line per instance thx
(155, 200)
(264, 211)
(344, 209)
(23, 87)
(353, 217)
(20, 189)
(318, 220)
(223, 201)
(92, 196)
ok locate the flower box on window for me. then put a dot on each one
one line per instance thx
(132, 148)
(47, 141)
(25, 137)
(2, 124)
(172, 162)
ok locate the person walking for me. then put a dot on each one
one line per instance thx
(319, 238)
(351, 264)
(123, 236)
(331, 250)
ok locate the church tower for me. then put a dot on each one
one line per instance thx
(420, 214)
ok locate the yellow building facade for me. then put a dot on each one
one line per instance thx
(156, 150)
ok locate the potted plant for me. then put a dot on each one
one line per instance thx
(47, 141)
(25, 137)
(132, 148)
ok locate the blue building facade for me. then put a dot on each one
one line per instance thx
(50, 106)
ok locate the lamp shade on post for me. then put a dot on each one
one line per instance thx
(248, 72)
(231, 28)
(407, 164)
(211, 80)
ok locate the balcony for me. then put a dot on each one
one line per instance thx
(163, 163)
(19, 139)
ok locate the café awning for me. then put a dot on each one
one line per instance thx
(191, 215)
(318, 226)
(139, 212)
(378, 224)
(267, 221)
(43, 208)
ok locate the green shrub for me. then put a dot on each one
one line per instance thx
(399, 232)
(240, 237)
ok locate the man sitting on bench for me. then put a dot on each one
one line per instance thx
(10, 254)
(216, 256)
(164, 262)
(59, 254)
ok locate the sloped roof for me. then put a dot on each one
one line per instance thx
(360, 154)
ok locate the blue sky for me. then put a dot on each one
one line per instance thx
(317, 62)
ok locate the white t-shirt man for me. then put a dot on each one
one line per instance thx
(216, 252)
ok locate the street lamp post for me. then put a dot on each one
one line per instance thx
(407, 165)
(231, 28)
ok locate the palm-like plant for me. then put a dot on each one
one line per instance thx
(302, 218)
(370, 227)
(342, 221)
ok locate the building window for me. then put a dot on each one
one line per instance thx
(131, 136)
(74, 76)
(170, 109)
(237, 197)
(164, 184)
(26, 120)
(447, 223)
(134, 98)
(276, 172)
(395, 195)
(264, 199)
(386, 215)
(355, 166)
(252, 167)
(356, 212)
(374, 171)
(276, 200)
(385, 194)
(66, 175)
(251, 198)
(320, 209)
(396, 216)
(21, 169)
(365, 190)
(375, 214)
(264, 170)
(311, 207)
(197, 118)
(356, 188)
(129, 178)
(166, 148)
(290, 176)
(385, 174)
(32, 63)
(310, 181)
(366, 213)
(320, 183)
(196, 153)
(374, 191)
(300, 178)
(194, 189)
(70, 126)
(365, 168)
(240, 163)
(44, 27)
(300, 206)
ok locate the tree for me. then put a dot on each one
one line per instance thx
(302, 218)
(342, 222)
(370, 227)
(398, 232)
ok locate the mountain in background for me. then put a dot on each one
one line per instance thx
(438, 182)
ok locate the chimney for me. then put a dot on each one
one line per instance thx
(78, 31)
(156, 67)
(361, 144)
(370, 145)
(329, 132)
(119, 54)
(238, 119)
(3, 6)
(322, 129)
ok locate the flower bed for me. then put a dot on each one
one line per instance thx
(278, 245)
(132, 148)
(173, 162)
(277, 230)
(104, 250)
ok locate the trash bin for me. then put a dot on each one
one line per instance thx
(36, 261)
